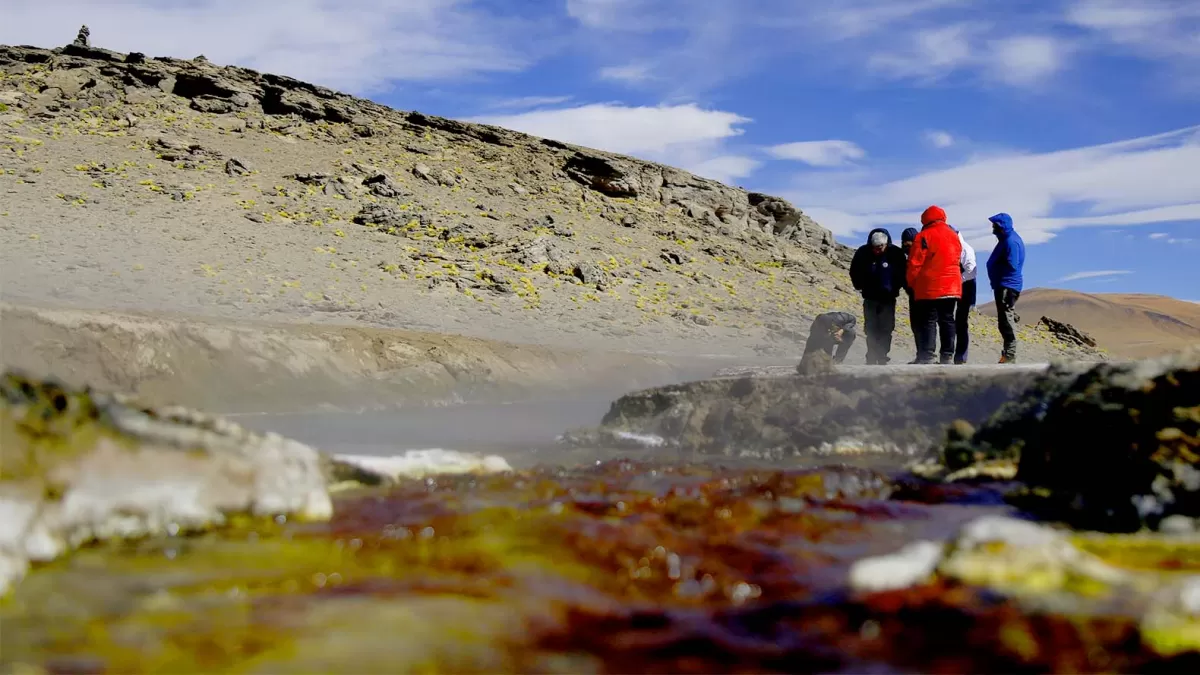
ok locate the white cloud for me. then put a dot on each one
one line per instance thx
(725, 168)
(1026, 60)
(1094, 274)
(818, 153)
(681, 135)
(1152, 28)
(357, 45)
(931, 54)
(625, 129)
(527, 102)
(1159, 235)
(632, 73)
(939, 139)
(1133, 182)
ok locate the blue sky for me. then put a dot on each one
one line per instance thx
(1081, 118)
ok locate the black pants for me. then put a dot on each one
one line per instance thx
(962, 313)
(935, 318)
(1006, 320)
(820, 341)
(879, 322)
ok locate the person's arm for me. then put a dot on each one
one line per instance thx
(1011, 254)
(856, 271)
(968, 257)
(915, 260)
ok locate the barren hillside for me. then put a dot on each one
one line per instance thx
(1126, 325)
(156, 184)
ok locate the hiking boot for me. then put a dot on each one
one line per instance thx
(1007, 359)
(946, 360)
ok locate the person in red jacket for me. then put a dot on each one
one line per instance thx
(935, 277)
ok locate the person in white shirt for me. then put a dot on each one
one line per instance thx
(963, 311)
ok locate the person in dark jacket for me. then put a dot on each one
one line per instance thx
(877, 272)
(829, 331)
(907, 237)
(935, 275)
(1005, 272)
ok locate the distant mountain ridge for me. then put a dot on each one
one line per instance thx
(1126, 325)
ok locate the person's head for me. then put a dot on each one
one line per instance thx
(931, 215)
(1002, 224)
(907, 237)
(879, 242)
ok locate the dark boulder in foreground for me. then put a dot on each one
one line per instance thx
(1114, 448)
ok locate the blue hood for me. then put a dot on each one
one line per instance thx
(1004, 221)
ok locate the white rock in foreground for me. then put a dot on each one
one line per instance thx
(421, 463)
(909, 566)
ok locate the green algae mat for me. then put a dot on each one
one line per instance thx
(615, 568)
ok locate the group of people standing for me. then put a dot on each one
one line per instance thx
(936, 267)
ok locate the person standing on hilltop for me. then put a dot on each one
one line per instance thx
(877, 272)
(962, 312)
(1005, 272)
(906, 241)
(935, 275)
(830, 330)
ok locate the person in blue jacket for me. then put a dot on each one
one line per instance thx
(1004, 268)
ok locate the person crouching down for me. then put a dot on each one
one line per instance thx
(829, 331)
(935, 275)
(877, 272)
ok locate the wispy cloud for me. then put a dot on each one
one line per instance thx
(693, 44)
(1093, 274)
(630, 73)
(939, 139)
(527, 102)
(1133, 182)
(818, 153)
(684, 135)
(358, 45)
(1025, 60)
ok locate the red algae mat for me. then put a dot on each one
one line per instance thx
(616, 568)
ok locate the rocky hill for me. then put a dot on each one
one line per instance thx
(131, 182)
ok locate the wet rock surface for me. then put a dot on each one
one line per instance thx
(899, 411)
(457, 563)
(1114, 448)
(80, 466)
(621, 567)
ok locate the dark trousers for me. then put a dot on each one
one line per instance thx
(1006, 320)
(821, 341)
(935, 318)
(962, 328)
(879, 322)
